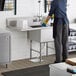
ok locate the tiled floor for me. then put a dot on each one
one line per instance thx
(26, 63)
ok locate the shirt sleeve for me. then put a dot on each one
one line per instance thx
(52, 9)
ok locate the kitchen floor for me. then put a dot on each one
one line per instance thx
(26, 63)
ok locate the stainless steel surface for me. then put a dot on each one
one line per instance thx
(39, 52)
(5, 47)
(38, 36)
(46, 48)
(30, 49)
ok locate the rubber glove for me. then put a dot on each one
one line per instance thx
(43, 25)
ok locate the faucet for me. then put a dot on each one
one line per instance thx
(38, 18)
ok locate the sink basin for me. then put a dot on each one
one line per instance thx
(36, 26)
(36, 23)
(38, 35)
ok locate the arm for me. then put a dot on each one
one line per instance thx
(46, 21)
(51, 12)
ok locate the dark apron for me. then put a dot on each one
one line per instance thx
(60, 21)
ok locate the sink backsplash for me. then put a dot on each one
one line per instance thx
(24, 22)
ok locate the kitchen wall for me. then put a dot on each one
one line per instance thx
(19, 40)
(71, 10)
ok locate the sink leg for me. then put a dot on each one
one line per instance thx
(46, 48)
(30, 49)
(6, 65)
(40, 52)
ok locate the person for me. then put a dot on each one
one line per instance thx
(60, 28)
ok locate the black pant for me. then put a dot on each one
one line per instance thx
(61, 39)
